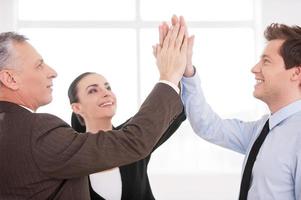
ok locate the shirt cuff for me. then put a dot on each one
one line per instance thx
(194, 71)
(175, 87)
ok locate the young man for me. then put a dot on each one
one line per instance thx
(272, 167)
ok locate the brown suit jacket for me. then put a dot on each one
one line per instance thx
(42, 157)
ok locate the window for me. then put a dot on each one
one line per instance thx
(76, 10)
(115, 38)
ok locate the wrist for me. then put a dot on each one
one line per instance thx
(189, 71)
(173, 80)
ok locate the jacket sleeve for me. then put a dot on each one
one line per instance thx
(61, 152)
(171, 129)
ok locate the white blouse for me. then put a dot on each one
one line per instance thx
(107, 184)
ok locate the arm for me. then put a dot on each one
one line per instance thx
(171, 129)
(61, 152)
(230, 133)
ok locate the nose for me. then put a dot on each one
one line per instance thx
(51, 72)
(106, 93)
(256, 68)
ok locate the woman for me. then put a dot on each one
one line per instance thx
(94, 104)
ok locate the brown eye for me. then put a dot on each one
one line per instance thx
(109, 88)
(266, 61)
(40, 66)
(92, 91)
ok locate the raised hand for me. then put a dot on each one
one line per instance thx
(163, 30)
(171, 53)
(189, 70)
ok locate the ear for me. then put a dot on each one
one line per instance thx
(9, 79)
(76, 107)
(296, 73)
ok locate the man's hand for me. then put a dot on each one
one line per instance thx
(171, 53)
(189, 70)
(163, 30)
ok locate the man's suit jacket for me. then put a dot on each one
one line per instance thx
(42, 157)
(134, 178)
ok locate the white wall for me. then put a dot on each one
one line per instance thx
(191, 186)
(281, 11)
(7, 15)
(277, 11)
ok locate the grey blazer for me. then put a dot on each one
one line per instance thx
(42, 157)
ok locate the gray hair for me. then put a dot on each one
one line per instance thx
(6, 41)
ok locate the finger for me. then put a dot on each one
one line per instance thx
(184, 45)
(174, 20)
(161, 34)
(183, 23)
(158, 50)
(165, 29)
(190, 42)
(166, 40)
(154, 50)
(174, 35)
(179, 40)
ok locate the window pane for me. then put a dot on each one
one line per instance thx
(76, 10)
(198, 10)
(110, 52)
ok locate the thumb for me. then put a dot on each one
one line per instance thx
(190, 44)
(191, 41)
(154, 50)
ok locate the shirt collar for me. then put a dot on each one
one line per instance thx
(284, 113)
(27, 109)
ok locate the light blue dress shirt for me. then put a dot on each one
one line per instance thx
(277, 170)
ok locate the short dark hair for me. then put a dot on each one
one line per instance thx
(291, 47)
(6, 40)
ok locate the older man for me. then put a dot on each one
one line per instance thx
(41, 156)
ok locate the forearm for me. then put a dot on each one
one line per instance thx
(232, 134)
(62, 153)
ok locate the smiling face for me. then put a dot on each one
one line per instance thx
(95, 98)
(274, 83)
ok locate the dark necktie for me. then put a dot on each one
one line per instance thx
(246, 177)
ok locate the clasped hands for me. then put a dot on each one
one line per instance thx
(174, 52)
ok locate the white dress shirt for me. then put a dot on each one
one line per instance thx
(107, 184)
(276, 173)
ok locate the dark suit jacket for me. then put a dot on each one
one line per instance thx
(42, 157)
(135, 183)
